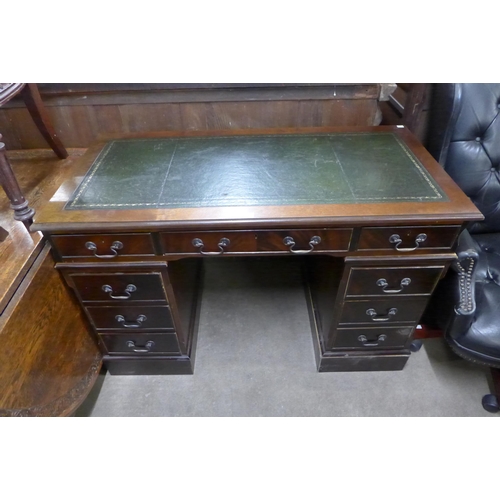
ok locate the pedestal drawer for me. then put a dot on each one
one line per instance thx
(377, 312)
(391, 281)
(372, 338)
(142, 344)
(118, 287)
(131, 317)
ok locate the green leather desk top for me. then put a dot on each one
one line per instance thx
(254, 170)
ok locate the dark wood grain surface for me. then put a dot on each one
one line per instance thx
(49, 361)
(81, 113)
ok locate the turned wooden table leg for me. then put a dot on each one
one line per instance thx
(38, 112)
(18, 202)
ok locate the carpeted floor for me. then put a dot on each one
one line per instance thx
(255, 358)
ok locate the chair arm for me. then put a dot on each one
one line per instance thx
(465, 267)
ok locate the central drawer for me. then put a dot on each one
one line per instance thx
(294, 241)
(208, 242)
(301, 241)
(130, 318)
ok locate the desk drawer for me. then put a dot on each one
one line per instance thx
(131, 318)
(301, 241)
(382, 312)
(392, 281)
(208, 242)
(103, 246)
(142, 344)
(117, 287)
(408, 239)
(372, 338)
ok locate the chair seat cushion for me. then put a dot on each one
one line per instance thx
(481, 341)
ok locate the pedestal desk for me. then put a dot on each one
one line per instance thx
(372, 217)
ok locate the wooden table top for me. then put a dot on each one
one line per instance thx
(241, 179)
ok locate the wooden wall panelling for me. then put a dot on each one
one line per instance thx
(75, 125)
(109, 118)
(83, 112)
(145, 118)
(20, 129)
(409, 105)
(355, 113)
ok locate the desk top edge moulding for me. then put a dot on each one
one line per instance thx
(367, 212)
(238, 177)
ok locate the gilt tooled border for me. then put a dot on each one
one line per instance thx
(418, 165)
(93, 170)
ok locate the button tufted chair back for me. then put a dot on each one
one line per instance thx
(465, 139)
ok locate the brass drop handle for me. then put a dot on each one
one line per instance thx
(129, 289)
(115, 246)
(396, 240)
(290, 242)
(375, 317)
(131, 324)
(364, 340)
(383, 283)
(223, 244)
(141, 349)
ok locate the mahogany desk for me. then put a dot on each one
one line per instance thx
(373, 217)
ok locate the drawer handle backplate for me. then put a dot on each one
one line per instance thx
(364, 340)
(141, 349)
(129, 289)
(223, 244)
(115, 246)
(290, 242)
(396, 240)
(375, 317)
(383, 283)
(131, 324)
